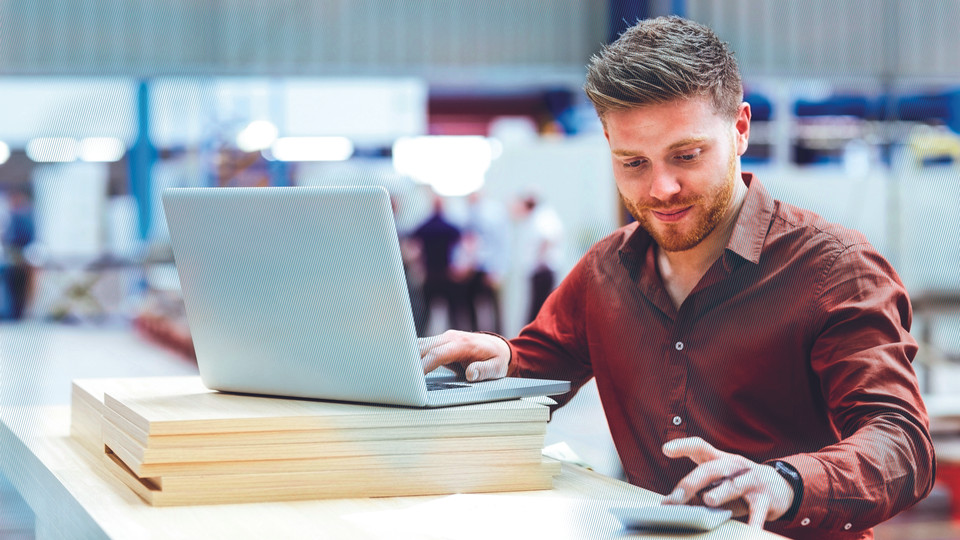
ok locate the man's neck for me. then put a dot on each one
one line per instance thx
(682, 270)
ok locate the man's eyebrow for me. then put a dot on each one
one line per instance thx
(689, 141)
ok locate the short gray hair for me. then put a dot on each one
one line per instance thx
(659, 60)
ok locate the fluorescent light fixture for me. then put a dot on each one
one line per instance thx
(102, 149)
(310, 149)
(4, 152)
(258, 135)
(451, 165)
(52, 149)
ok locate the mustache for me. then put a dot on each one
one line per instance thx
(666, 205)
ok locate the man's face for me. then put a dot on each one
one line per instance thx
(676, 166)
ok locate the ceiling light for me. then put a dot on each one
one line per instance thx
(311, 149)
(52, 149)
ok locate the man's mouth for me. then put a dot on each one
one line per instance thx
(671, 215)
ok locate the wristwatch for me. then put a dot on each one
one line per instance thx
(793, 478)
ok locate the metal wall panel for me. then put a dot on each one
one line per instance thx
(291, 37)
(838, 38)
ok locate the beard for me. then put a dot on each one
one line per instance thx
(713, 205)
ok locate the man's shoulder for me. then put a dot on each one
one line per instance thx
(615, 241)
(811, 231)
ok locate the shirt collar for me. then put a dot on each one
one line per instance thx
(746, 241)
(753, 223)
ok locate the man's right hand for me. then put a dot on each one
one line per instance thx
(480, 356)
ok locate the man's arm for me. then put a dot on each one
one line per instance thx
(861, 354)
(551, 347)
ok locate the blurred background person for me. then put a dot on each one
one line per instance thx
(482, 260)
(539, 236)
(437, 237)
(17, 235)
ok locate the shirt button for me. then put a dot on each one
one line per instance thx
(679, 345)
(805, 522)
(848, 526)
(677, 420)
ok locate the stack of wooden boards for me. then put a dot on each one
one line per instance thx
(175, 442)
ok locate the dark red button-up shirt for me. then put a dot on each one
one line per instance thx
(793, 346)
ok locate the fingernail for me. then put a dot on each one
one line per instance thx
(676, 496)
(472, 374)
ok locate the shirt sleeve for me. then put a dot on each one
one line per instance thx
(553, 346)
(862, 354)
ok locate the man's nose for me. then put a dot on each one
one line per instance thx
(664, 185)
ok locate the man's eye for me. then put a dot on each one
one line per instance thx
(688, 157)
(634, 164)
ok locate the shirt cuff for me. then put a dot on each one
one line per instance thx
(512, 368)
(814, 509)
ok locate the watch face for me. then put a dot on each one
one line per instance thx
(785, 469)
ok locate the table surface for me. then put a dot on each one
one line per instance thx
(74, 495)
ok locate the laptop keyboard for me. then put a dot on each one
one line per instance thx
(444, 386)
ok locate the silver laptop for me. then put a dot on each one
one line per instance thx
(300, 292)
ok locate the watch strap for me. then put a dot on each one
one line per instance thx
(790, 474)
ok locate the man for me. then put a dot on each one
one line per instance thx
(733, 337)
(437, 240)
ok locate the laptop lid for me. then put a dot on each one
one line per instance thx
(300, 291)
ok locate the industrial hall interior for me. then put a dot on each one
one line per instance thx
(169, 182)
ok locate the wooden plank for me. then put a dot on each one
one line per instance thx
(252, 438)
(85, 423)
(138, 457)
(445, 460)
(185, 406)
(62, 481)
(382, 482)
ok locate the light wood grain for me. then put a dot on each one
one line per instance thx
(382, 433)
(73, 493)
(137, 456)
(184, 406)
(333, 484)
(85, 422)
(531, 456)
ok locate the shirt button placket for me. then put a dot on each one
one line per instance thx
(679, 363)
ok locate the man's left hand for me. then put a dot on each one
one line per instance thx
(758, 491)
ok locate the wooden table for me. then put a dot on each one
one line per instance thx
(74, 496)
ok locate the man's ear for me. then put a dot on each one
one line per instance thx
(742, 126)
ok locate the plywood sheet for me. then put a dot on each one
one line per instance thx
(139, 459)
(185, 406)
(383, 482)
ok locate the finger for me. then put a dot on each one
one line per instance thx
(699, 478)
(759, 507)
(441, 355)
(695, 448)
(485, 370)
(731, 490)
(468, 348)
(426, 344)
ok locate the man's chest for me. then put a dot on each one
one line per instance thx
(743, 337)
